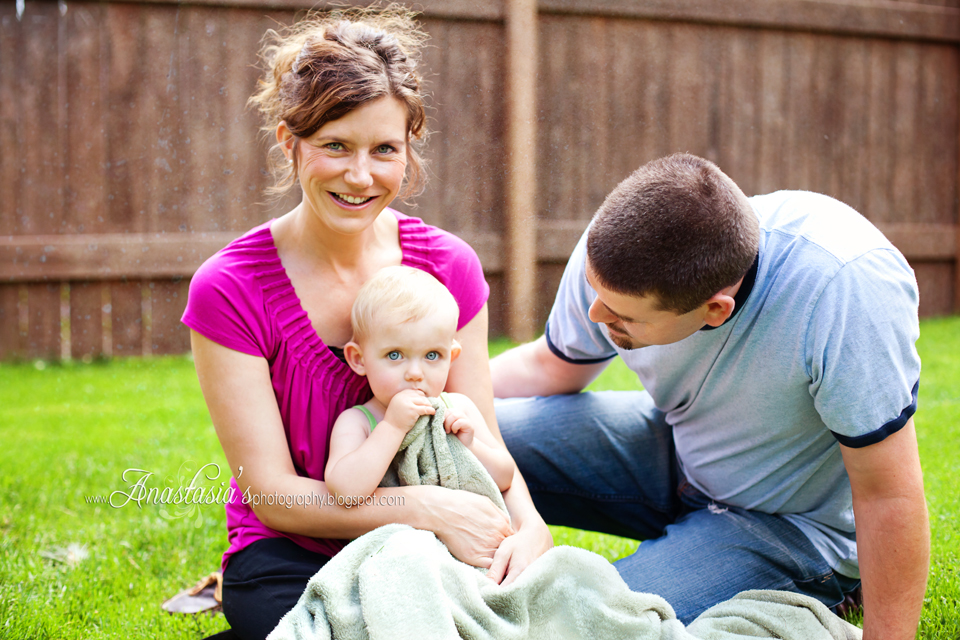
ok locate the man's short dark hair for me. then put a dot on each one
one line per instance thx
(677, 228)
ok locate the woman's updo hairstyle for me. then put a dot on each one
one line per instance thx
(328, 64)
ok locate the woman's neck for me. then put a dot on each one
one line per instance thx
(310, 237)
(310, 245)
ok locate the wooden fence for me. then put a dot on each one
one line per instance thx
(128, 157)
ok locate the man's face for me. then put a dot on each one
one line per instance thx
(634, 322)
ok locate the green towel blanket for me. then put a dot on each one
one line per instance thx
(429, 455)
(397, 582)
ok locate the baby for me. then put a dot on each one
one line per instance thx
(404, 323)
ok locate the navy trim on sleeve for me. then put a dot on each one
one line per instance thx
(886, 430)
(565, 357)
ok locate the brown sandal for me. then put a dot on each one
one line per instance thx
(204, 597)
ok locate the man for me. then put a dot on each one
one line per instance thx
(774, 337)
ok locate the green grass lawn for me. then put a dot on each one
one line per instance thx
(74, 568)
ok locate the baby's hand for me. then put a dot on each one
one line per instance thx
(456, 422)
(406, 408)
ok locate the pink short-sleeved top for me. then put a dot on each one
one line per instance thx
(241, 298)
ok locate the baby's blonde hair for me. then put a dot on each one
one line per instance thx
(399, 295)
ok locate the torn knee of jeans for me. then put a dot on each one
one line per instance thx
(716, 509)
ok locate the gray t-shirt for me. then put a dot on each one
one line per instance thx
(820, 351)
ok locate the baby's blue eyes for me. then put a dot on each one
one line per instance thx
(396, 355)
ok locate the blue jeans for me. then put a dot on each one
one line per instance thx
(606, 462)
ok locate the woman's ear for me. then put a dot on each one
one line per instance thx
(285, 139)
(354, 357)
(455, 350)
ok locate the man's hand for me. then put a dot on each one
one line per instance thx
(406, 408)
(458, 423)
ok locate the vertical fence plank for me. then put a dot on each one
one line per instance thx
(934, 280)
(688, 115)
(774, 90)
(43, 321)
(42, 165)
(471, 193)
(201, 77)
(434, 70)
(521, 179)
(86, 319)
(242, 181)
(11, 159)
(852, 90)
(938, 155)
(84, 161)
(126, 144)
(802, 132)
(42, 178)
(10, 348)
(591, 53)
(161, 165)
(65, 343)
(84, 134)
(126, 305)
(656, 53)
(906, 118)
(880, 117)
(627, 116)
(168, 299)
(555, 147)
(821, 166)
(740, 108)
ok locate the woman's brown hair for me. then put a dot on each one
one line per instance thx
(328, 64)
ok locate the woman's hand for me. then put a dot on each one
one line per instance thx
(518, 552)
(470, 525)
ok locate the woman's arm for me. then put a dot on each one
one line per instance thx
(470, 375)
(244, 411)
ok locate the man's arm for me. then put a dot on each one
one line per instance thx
(893, 533)
(532, 369)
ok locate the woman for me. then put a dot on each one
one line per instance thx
(270, 311)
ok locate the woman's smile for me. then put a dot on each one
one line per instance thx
(346, 199)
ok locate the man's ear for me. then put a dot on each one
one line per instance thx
(455, 350)
(353, 354)
(719, 308)
(285, 139)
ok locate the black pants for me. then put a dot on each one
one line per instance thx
(263, 582)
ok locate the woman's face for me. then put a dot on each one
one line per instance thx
(353, 167)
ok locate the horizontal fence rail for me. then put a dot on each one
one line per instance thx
(59, 258)
(129, 156)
